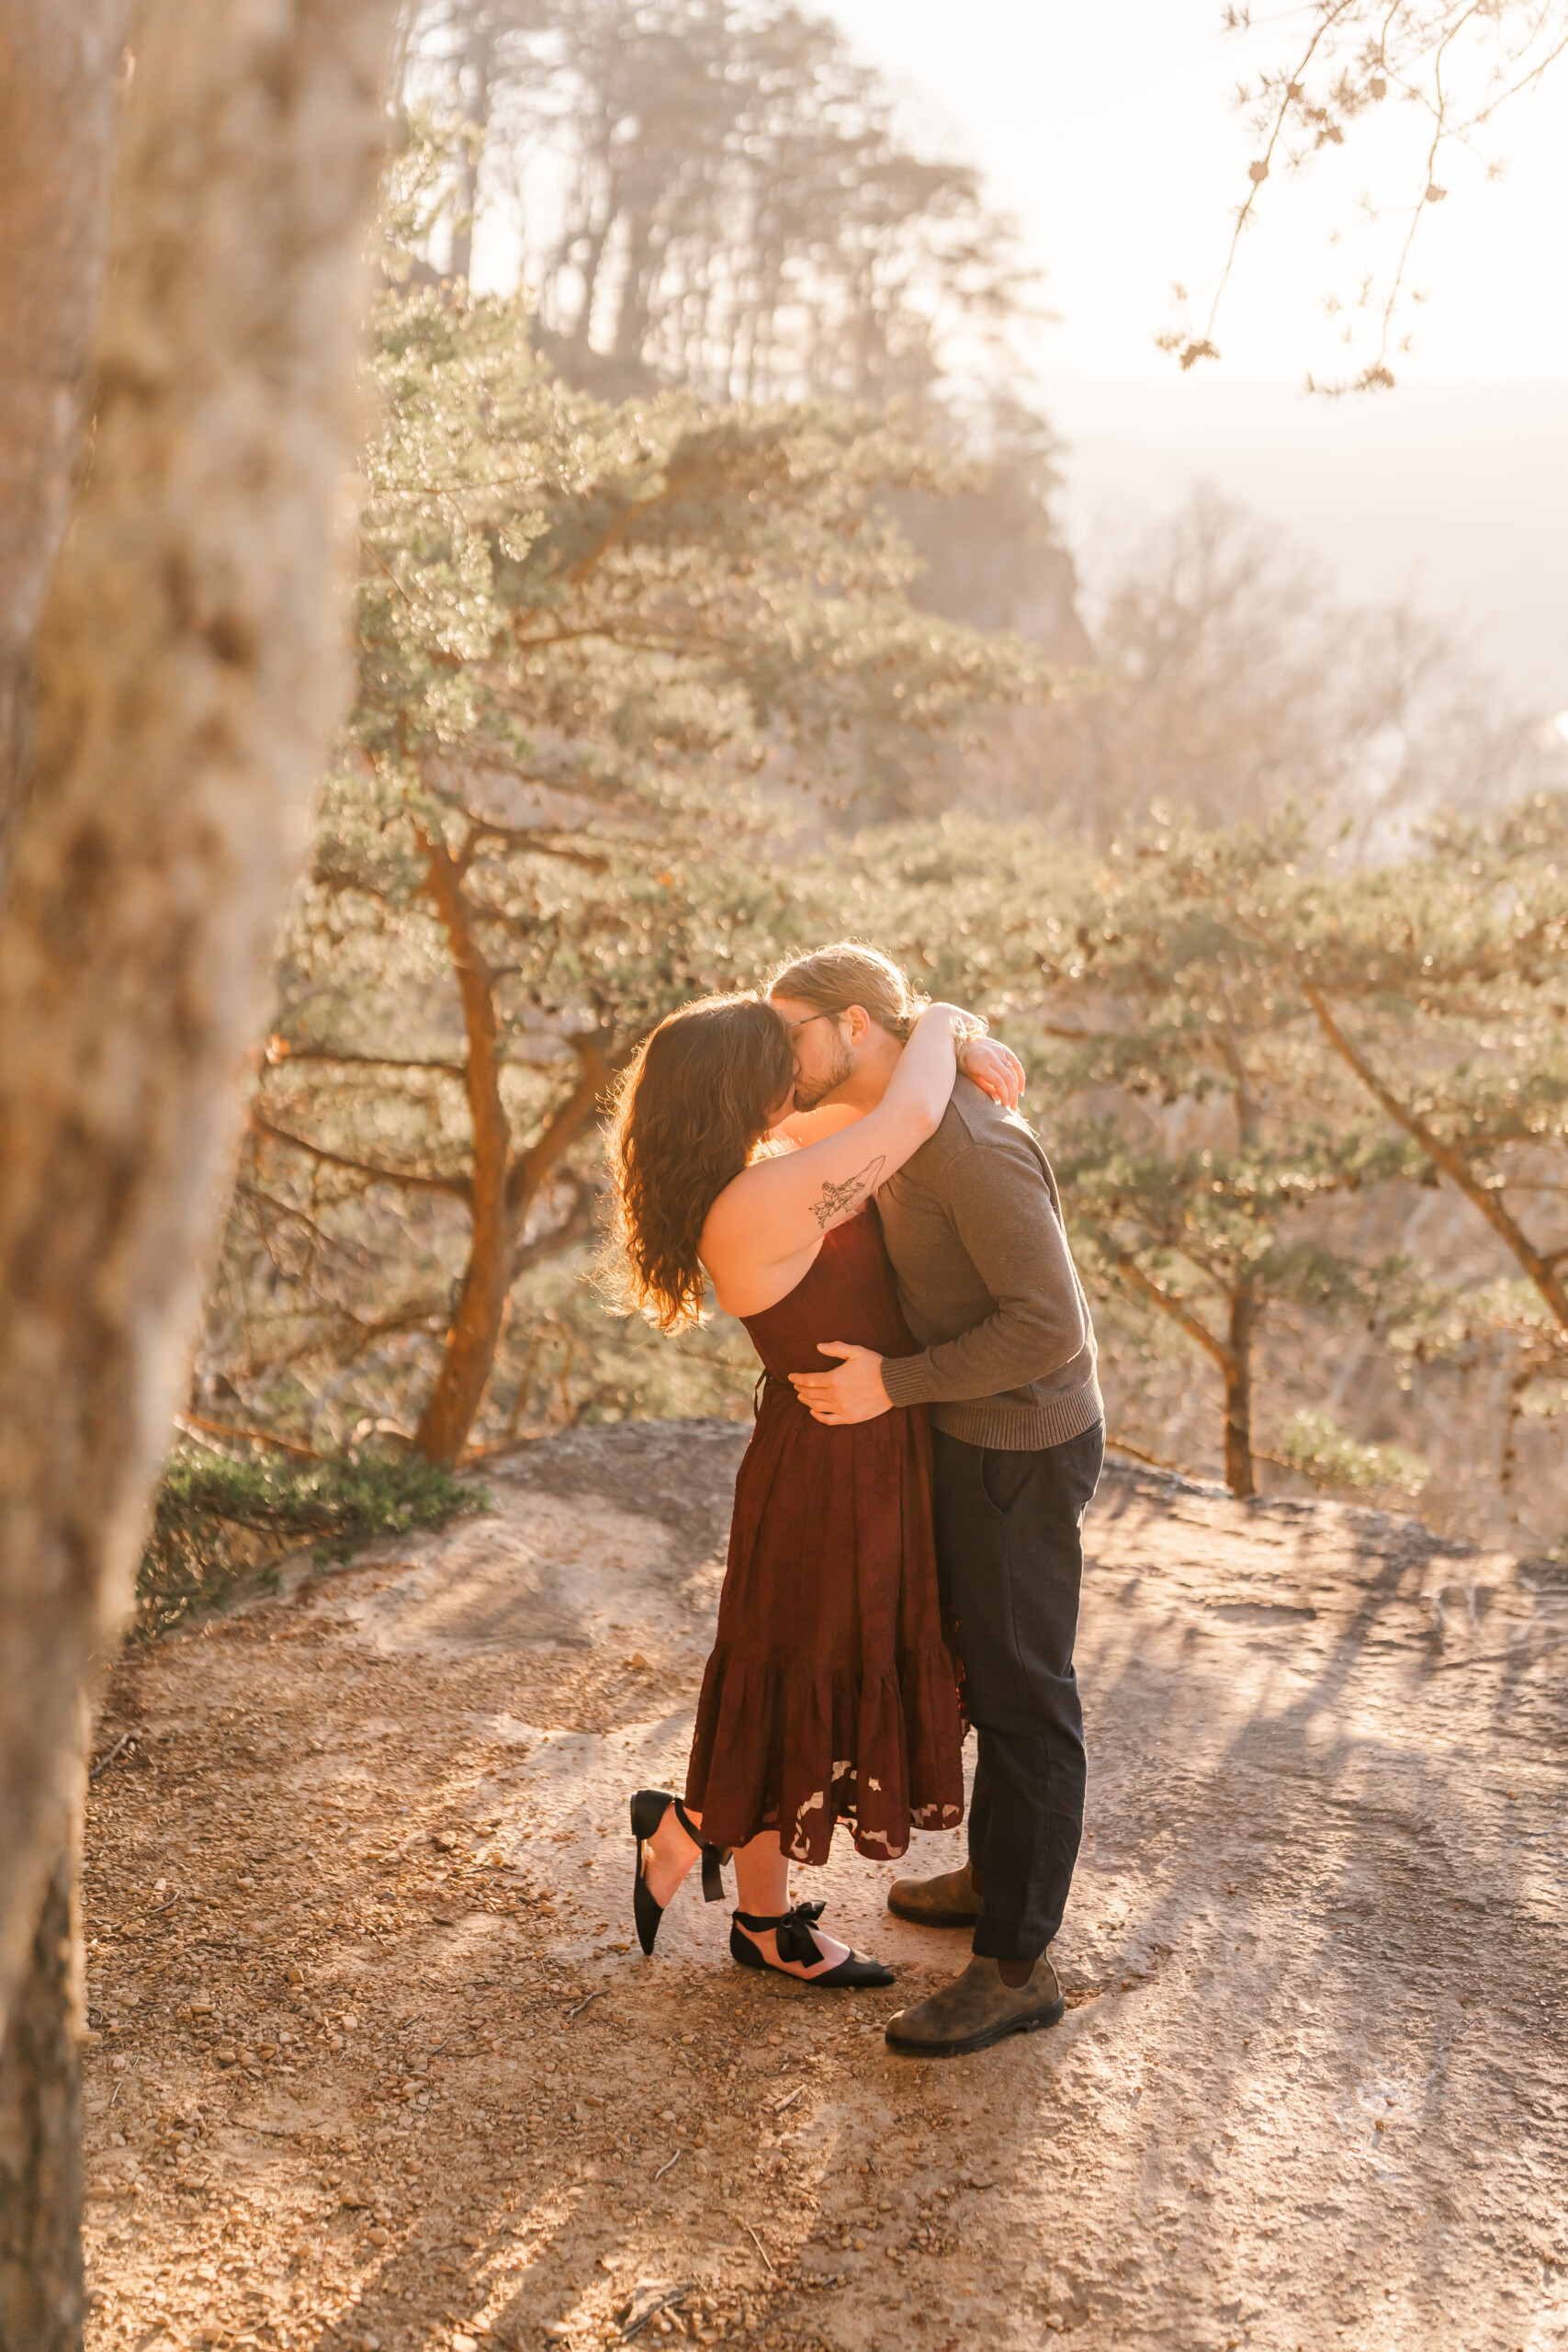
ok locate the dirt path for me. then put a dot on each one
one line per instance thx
(376, 2067)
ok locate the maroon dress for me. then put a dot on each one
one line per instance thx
(832, 1693)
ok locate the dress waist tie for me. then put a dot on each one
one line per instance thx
(771, 1383)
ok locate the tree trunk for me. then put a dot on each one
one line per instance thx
(59, 76)
(476, 92)
(1234, 1363)
(1238, 1369)
(635, 313)
(448, 1415)
(59, 87)
(188, 673)
(40, 2138)
(502, 1189)
(582, 328)
(530, 1169)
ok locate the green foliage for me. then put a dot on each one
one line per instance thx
(1454, 958)
(435, 152)
(1431, 996)
(1315, 1444)
(617, 665)
(1228, 1166)
(1207, 1222)
(1200, 1131)
(216, 1516)
(608, 658)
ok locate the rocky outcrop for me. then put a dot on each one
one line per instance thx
(1313, 2080)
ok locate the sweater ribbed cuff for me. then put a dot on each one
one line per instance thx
(909, 1379)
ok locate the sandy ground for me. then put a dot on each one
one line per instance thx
(377, 2062)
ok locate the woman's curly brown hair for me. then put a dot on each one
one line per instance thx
(690, 1111)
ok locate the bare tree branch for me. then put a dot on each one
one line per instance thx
(251, 1437)
(281, 1053)
(1170, 1305)
(1455, 1167)
(411, 1179)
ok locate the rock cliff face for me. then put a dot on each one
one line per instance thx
(396, 2064)
(993, 561)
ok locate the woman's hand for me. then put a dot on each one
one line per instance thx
(995, 1068)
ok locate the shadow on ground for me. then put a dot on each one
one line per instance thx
(376, 2063)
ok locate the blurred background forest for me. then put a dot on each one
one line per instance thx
(712, 602)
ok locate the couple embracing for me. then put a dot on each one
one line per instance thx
(847, 1166)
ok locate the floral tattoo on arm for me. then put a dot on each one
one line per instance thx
(834, 1199)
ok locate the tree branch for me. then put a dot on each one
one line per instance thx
(1454, 1165)
(1204, 349)
(251, 1437)
(280, 1053)
(1170, 1305)
(355, 1252)
(530, 1169)
(675, 482)
(577, 1226)
(573, 577)
(539, 845)
(457, 1185)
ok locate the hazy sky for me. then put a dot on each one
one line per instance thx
(1106, 127)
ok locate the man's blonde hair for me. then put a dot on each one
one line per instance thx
(832, 978)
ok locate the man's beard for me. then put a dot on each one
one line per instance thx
(807, 1098)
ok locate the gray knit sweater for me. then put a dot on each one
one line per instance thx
(972, 1223)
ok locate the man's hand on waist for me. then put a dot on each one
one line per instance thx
(854, 1393)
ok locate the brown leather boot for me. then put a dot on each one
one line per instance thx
(974, 2010)
(951, 1901)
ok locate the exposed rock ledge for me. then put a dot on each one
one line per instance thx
(1312, 2088)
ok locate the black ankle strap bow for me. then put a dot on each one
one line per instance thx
(796, 1940)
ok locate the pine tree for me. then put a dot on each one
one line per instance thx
(586, 633)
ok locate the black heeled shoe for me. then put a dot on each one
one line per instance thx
(649, 1809)
(797, 1943)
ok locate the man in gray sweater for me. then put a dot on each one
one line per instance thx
(972, 1223)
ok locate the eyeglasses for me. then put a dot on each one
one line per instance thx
(795, 1028)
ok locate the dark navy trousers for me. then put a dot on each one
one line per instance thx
(1009, 1554)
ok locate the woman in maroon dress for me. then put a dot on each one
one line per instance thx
(832, 1693)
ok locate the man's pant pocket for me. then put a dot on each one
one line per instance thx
(1005, 1475)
